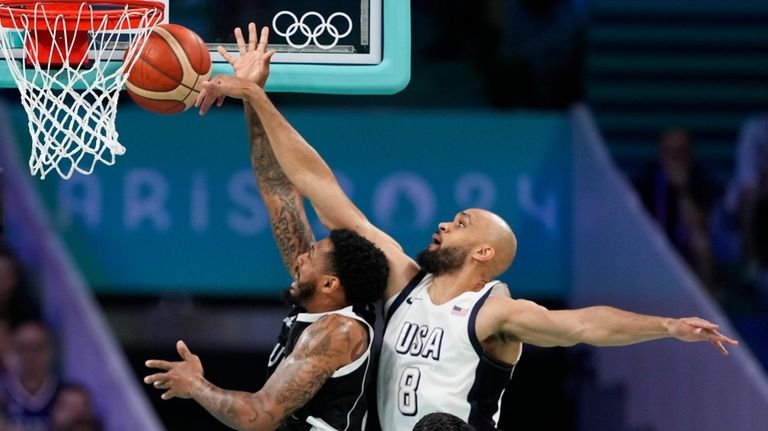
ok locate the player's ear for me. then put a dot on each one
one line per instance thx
(484, 253)
(330, 283)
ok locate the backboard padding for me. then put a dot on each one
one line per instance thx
(385, 71)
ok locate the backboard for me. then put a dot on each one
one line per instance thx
(324, 46)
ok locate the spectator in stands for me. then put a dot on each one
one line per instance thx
(17, 302)
(747, 198)
(679, 195)
(29, 386)
(5, 345)
(85, 425)
(72, 408)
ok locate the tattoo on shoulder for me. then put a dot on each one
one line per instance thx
(325, 346)
(346, 337)
(357, 351)
(323, 335)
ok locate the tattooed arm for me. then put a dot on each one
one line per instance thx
(290, 226)
(284, 202)
(325, 346)
(300, 165)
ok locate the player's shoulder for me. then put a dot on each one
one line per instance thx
(503, 306)
(500, 288)
(333, 338)
(336, 327)
(335, 323)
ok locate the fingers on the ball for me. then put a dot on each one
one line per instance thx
(207, 104)
(202, 103)
(205, 107)
(199, 99)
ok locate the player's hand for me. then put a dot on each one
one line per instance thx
(179, 378)
(221, 86)
(696, 329)
(253, 62)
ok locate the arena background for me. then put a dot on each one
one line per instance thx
(543, 111)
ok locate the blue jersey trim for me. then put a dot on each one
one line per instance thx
(404, 294)
(491, 377)
(471, 323)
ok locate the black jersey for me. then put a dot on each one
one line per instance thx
(340, 404)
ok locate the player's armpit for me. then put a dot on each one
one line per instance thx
(325, 346)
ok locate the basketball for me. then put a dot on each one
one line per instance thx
(170, 70)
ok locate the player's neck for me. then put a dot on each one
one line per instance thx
(448, 286)
(322, 304)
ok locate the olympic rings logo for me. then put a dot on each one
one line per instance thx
(299, 25)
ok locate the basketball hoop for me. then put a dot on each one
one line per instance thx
(68, 44)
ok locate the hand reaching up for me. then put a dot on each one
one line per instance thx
(253, 61)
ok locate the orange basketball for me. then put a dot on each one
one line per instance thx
(168, 74)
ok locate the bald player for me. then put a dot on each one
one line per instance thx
(453, 334)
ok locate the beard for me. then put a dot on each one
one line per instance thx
(443, 260)
(304, 290)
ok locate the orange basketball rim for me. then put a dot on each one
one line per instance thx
(71, 100)
(73, 19)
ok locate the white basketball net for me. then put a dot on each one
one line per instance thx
(72, 130)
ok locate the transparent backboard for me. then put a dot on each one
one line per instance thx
(323, 46)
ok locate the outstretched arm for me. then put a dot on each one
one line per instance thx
(324, 347)
(531, 323)
(311, 175)
(290, 226)
(300, 162)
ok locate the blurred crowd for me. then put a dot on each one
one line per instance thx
(32, 395)
(721, 230)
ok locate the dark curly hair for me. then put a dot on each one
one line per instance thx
(441, 422)
(361, 267)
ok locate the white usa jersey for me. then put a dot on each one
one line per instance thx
(431, 360)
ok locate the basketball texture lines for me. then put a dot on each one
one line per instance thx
(168, 75)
